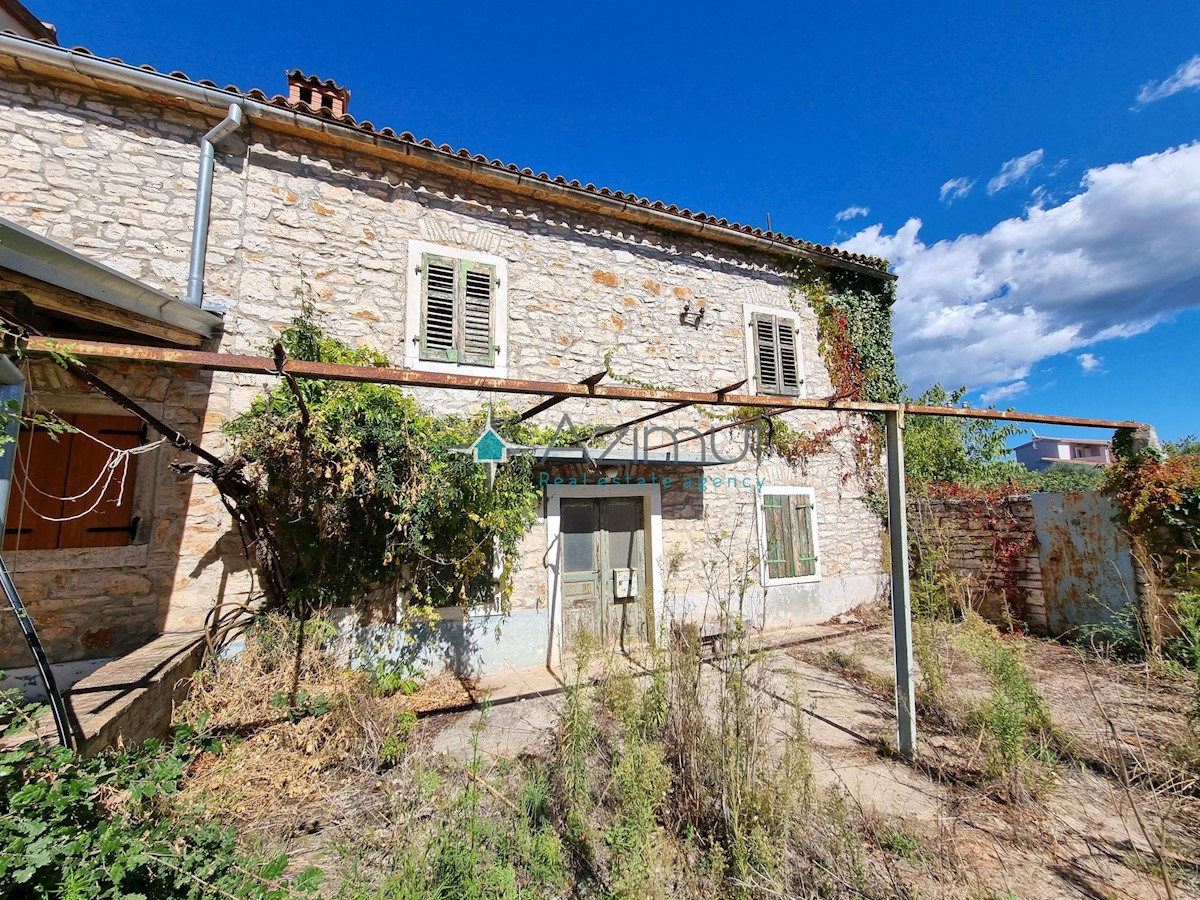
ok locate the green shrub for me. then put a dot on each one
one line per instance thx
(1062, 477)
(1019, 734)
(395, 745)
(360, 487)
(106, 828)
(389, 676)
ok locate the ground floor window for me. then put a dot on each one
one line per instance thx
(66, 492)
(789, 536)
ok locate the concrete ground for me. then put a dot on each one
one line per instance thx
(522, 707)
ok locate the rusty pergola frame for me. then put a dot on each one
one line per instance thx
(588, 388)
(554, 392)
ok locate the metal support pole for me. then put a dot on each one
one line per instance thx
(901, 602)
(12, 399)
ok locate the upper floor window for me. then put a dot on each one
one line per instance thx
(457, 309)
(774, 352)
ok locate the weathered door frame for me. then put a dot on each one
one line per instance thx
(651, 497)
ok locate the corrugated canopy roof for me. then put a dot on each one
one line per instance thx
(46, 261)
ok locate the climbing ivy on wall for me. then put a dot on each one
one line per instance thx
(1159, 496)
(854, 327)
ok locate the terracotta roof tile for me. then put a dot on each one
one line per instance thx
(407, 137)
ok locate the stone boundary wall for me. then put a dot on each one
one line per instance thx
(992, 546)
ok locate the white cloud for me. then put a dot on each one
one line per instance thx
(955, 189)
(1109, 262)
(1089, 362)
(852, 212)
(1016, 169)
(1186, 77)
(1004, 392)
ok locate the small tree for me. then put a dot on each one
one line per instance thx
(1062, 477)
(968, 452)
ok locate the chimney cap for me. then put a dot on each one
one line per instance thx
(325, 85)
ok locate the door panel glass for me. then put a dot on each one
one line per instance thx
(622, 523)
(577, 527)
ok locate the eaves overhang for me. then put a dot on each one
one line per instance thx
(345, 130)
(47, 261)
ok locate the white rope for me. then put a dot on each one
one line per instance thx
(117, 458)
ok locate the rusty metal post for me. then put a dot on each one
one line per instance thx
(906, 720)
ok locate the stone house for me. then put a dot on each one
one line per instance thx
(447, 262)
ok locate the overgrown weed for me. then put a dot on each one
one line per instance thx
(1019, 737)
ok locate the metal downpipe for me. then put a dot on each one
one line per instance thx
(208, 154)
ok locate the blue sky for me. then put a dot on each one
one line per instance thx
(1044, 220)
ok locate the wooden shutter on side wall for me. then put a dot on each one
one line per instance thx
(110, 524)
(64, 468)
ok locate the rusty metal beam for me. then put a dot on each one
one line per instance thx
(590, 381)
(666, 410)
(172, 434)
(765, 414)
(228, 362)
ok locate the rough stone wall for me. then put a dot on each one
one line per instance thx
(114, 178)
(991, 546)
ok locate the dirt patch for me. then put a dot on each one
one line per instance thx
(1082, 836)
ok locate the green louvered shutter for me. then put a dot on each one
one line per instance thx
(776, 356)
(788, 521)
(801, 513)
(478, 343)
(439, 282)
(766, 353)
(775, 520)
(789, 366)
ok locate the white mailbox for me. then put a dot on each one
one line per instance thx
(625, 585)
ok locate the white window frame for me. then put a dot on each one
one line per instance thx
(412, 311)
(764, 569)
(748, 312)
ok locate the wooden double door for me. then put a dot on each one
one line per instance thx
(604, 587)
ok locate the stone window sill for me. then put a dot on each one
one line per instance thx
(77, 558)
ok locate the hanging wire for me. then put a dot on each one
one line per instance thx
(118, 458)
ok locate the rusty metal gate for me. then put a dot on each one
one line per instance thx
(1087, 566)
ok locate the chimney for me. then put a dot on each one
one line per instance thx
(317, 94)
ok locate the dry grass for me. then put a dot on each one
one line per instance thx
(288, 772)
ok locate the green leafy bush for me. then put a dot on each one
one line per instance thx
(368, 489)
(106, 828)
(395, 745)
(1064, 477)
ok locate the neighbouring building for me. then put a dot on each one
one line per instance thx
(1043, 452)
(446, 261)
(16, 18)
